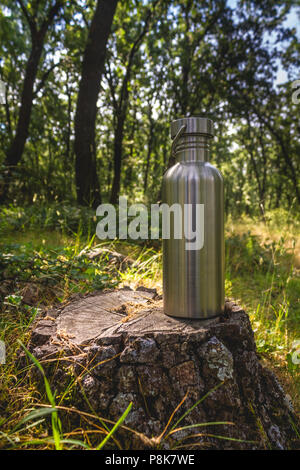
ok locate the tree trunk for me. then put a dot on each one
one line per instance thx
(129, 172)
(121, 108)
(68, 163)
(186, 61)
(87, 184)
(118, 148)
(250, 148)
(283, 144)
(150, 143)
(16, 149)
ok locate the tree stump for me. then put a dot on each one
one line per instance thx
(124, 349)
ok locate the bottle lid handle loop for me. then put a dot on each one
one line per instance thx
(176, 138)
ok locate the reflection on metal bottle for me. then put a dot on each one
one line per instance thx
(193, 278)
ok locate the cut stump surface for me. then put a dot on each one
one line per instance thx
(122, 348)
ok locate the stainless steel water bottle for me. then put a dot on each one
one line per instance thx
(193, 272)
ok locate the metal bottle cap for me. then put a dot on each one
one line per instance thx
(193, 125)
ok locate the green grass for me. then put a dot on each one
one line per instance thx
(263, 266)
(41, 264)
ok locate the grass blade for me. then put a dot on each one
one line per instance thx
(34, 414)
(55, 421)
(194, 406)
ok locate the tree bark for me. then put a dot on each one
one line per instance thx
(87, 184)
(118, 150)
(129, 172)
(250, 149)
(16, 150)
(149, 151)
(119, 347)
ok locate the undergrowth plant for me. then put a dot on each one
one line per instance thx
(43, 261)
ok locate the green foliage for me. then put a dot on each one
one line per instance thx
(195, 57)
(55, 421)
(245, 253)
(38, 416)
(52, 267)
(39, 217)
(262, 273)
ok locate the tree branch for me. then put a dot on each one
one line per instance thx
(50, 16)
(29, 18)
(133, 50)
(112, 87)
(44, 79)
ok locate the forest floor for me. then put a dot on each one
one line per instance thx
(43, 261)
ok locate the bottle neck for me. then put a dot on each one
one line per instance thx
(193, 148)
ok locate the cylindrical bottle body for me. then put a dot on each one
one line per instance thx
(193, 279)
